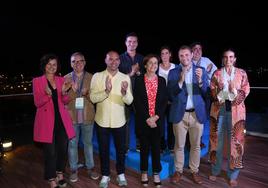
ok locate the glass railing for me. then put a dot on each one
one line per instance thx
(17, 113)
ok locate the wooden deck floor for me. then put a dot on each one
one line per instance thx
(23, 168)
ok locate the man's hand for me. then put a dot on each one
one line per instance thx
(199, 74)
(124, 86)
(65, 87)
(209, 68)
(85, 92)
(135, 70)
(108, 85)
(182, 76)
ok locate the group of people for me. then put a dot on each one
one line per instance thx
(154, 89)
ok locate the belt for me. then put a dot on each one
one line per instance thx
(189, 110)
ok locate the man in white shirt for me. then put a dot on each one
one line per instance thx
(202, 61)
(208, 65)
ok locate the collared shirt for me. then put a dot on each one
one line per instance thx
(126, 62)
(110, 109)
(204, 62)
(189, 86)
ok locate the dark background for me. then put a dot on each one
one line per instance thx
(31, 29)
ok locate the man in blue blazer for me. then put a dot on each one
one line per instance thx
(187, 90)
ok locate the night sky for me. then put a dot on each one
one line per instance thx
(28, 31)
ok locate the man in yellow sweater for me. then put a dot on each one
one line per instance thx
(111, 90)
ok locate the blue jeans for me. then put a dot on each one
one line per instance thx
(224, 127)
(86, 133)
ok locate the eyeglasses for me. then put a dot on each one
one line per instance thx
(78, 61)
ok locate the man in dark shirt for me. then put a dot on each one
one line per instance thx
(131, 64)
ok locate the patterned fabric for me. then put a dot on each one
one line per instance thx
(238, 116)
(151, 89)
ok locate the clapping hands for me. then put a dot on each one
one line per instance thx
(48, 91)
(124, 86)
(108, 85)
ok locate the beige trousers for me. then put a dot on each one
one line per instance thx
(191, 124)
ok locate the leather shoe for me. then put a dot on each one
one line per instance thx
(176, 178)
(197, 179)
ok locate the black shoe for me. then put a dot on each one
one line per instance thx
(62, 183)
(157, 181)
(157, 184)
(145, 183)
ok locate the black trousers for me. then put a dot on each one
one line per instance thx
(55, 153)
(150, 143)
(119, 136)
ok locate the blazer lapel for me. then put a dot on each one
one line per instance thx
(145, 97)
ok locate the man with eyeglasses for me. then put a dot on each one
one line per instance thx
(82, 112)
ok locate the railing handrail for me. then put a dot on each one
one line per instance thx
(15, 95)
(26, 94)
(258, 87)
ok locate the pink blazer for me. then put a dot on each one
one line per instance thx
(44, 118)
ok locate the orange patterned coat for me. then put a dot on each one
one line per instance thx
(238, 116)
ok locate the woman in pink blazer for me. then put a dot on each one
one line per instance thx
(53, 124)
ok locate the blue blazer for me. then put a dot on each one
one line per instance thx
(178, 96)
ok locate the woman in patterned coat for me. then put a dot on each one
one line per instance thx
(229, 89)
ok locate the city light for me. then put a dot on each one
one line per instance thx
(7, 145)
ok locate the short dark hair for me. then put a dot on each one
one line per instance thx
(195, 43)
(149, 56)
(132, 34)
(185, 47)
(45, 60)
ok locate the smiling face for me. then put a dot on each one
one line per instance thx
(78, 63)
(185, 57)
(228, 58)
(165, 55)
(197, 52)
(51, 67)
(131, 43)
(112, 61)
(151, 65)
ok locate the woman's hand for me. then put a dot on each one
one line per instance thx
(151, 121)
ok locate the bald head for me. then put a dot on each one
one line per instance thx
(112, 61)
